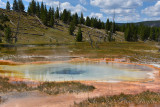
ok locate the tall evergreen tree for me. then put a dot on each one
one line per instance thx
(107, 25)
(75, 19)
(29, 9)
(57, 13)
(88, 21)
(38, 9)
(82, 20)
(127, 33)
(71, 28)
(32, 7)
(20, 5)
(103, 25)
(51, 22)
(49, 13)
(8, 35)
(157, 35)
(79, 35)
(69, 16)
(8, 6)
(15, 5)
(151, 34)
(65, 16)
(45, 19)
(42, 10)
(113, 27)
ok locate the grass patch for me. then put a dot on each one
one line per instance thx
(53, 88)
(146, 97)
(5, 86)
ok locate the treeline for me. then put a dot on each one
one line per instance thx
(49, 17)
(139, 32)
(17, 5)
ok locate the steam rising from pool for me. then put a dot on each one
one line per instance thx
(79, 72)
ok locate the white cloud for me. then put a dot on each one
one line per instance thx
(78, 8)
(97, 15)
(2, 4)
(84, 2)
(65, 5)
(116, 3)
(152, 11)
(125, 10)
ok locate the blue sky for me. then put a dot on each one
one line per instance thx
(125, 10)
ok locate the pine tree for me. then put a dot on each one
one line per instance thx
(7, 33)
(15, 5)
(82, 20)
(151, 34)
(38, 9)
(103, 25)
(64, 16)
(45, 16)
(49, 14)
(71, 28)
(8, 7)
(33, 7)
(29, 9)
(110, 37)
(42, 10)
(57, 13)
(88, 21)
(107, 25)
(127, 33)
(79, 35)
(99, 25)
(157, 34)
(20, 5)
(135, 35)
(69, 16)
(75, 19)
(114, 27)
(51, 22)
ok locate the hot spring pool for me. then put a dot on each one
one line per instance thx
(79, 71)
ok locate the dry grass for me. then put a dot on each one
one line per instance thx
(122, 100)
(53, 88)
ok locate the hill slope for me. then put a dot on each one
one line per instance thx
(32, 31)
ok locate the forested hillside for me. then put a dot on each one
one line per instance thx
(40, 25)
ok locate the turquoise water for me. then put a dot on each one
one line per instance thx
(79, 71)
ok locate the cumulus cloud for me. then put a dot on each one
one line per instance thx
(2, 4)
(116, 3)
(65, 5)
(152, 11)
(97, 15)
(123, 9)
(84, 2)
(78, 8)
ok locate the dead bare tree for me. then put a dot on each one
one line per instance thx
(17, 27)
(91, 41)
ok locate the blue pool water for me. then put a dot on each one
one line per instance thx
(79, 71)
